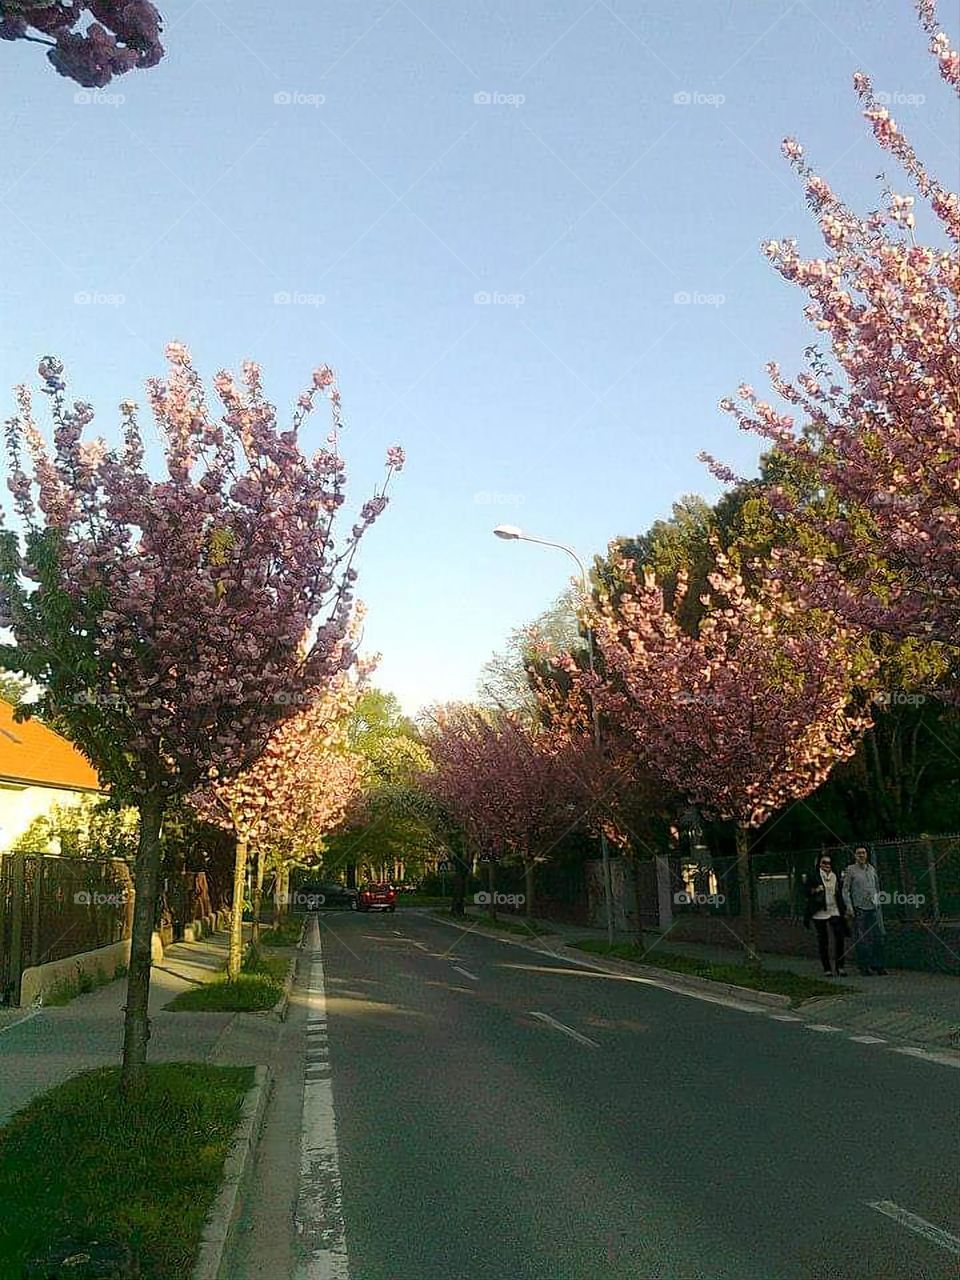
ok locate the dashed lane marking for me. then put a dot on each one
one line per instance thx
(562, 1026)
(913, 1222)
(466, 973)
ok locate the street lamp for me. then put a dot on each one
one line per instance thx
(510, 533)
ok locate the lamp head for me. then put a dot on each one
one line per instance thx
(508, 531)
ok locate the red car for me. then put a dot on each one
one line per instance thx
(377, 897)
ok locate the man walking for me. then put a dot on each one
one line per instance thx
(861, 893)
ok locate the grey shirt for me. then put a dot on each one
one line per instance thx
(861, 886)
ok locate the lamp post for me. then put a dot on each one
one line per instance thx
(511, 533)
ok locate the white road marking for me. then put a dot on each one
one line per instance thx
(820, 1026)
(868, 1039)
(929, 1055)
(936, 1235)
(785, 1017)
(26, 1018)
(560, 1026)
(466, 973)
(319, 1214)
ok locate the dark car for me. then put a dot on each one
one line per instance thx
(321, 894)
(377, 897)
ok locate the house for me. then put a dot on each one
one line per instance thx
(39, 769)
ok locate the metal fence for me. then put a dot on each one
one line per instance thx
(919, 877)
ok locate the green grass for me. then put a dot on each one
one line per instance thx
(282, 935)
(779, 981)
(259, 986)
(79, 1163)
(501, 924)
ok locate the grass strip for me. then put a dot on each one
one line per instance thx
(281, 935)
(258, 986)
(778, 981)
(79, 1163)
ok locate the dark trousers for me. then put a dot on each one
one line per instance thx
(830, 941)
(868, 932)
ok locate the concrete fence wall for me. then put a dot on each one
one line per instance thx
(39, 982)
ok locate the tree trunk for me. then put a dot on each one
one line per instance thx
(459, 892)
(746, 896)
(258, 894)
(529, 870)
(236, 910)
(492, 885)
(279, 895)
(637, 905)
(136, 1023)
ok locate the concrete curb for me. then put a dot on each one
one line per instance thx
(226, 1208)
(668, 977)
(688, 981)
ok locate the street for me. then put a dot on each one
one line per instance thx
(501, 1114)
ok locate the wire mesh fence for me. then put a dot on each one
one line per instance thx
(52, 907)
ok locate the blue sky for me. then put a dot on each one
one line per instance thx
(387, 166)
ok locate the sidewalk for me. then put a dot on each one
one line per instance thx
(922, 1008)
(39, 1050)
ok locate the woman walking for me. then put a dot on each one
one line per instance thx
(826, 908)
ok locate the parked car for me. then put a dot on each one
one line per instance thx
(377, 897)
(320, 894)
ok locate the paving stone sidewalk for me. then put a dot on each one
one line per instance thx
(39, 1050)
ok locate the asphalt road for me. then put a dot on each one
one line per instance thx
(675, 1139)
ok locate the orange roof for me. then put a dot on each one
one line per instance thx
(32, 754)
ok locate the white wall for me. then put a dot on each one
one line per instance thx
(20, 805)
